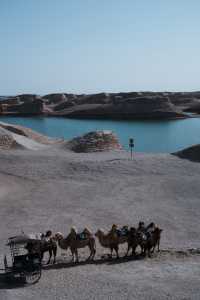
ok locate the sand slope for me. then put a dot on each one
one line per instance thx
(19, 137)
(55, 189)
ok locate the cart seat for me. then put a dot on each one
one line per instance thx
(20, 261)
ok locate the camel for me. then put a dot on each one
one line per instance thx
(49, 246)
(120, 233)
(42, 247)
(149, 243)
(74, 243)
(111, 240)
(132, 241)
(155, 239)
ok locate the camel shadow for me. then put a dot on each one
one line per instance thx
(125, 259)
(69, 264)
(99, 261)
(9, 283)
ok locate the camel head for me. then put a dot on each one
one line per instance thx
(114, 227)
(58, 236)
(158, 231)
(132, 230)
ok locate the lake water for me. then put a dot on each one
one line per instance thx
(149, 136)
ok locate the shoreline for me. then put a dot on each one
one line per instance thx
(97, 117)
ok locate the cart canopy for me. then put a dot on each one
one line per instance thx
(24, 238)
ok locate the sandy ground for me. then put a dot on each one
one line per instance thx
(55, 189)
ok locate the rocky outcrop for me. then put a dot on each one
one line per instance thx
(93, 142)
(185, 101)
(63, 105)
(127, 105)
(27, 132)
(193, 108)
(34, 107)
(150, 107)
(28, 97)
(54, 98)
(18, 137)
(10, 100)
(7, 141)
(192, 153)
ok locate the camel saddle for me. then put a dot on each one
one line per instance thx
(81, 236)
(122, 232)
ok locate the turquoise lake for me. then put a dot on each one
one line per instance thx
(149, 136)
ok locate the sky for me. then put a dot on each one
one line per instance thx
(89, 46)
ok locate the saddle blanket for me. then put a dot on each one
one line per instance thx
(81, 236)
(122, 232)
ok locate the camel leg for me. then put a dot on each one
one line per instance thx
(54, 253)
(89, 246)
(116, 250)
(76, 254)
(144, 251)
(133, 250)
(94, 252)
(128, 249)
(89, 257)
(111, 252)
(50, 255)
(159, 245)
(72, 252)
(149, 252)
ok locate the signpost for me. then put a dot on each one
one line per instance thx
(131, 146)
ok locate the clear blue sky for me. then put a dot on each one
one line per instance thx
(86, 46)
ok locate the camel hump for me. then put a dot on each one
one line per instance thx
(87, 231)
(73, 230)
(84, 235)
(113, 229)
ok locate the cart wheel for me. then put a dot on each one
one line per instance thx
(33, 277)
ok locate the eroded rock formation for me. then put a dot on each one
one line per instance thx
(19, 137)
(191, 153)
(93, 142)
(7, 141)
(130, 105)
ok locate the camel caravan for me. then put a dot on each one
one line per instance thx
(147, 238)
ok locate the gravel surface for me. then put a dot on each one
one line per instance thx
(55, 189)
